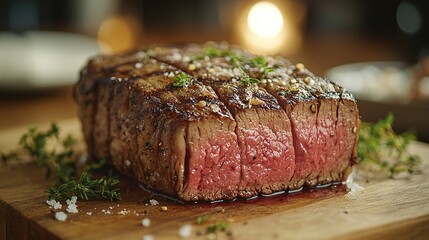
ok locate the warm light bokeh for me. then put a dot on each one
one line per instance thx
(265, 20)
(118, 34)
(271, 27)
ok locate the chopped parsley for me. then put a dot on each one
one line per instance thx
(249, 80)
(235, 60)
(216, 227)
(182, 80)
(202, 219)
(261, 63)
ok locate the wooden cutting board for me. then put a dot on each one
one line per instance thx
(385, 209)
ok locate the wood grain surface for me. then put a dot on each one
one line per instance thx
(385, 209)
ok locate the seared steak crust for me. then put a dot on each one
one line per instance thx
(240, 125)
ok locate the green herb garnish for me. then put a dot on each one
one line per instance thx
(202, 219)
(235, 60)
(215, 52)
(380, 146)
(218, 226)
(262, 63)
(249, 80)
(62, 160)
(87, 187)
(182, 80)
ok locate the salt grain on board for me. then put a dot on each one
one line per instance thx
(148, 237)
(58, 205)
(60, 216)
(54, 204)
(71, 205)
(353, 188)
(72, 208)
(153, 202)
(146, 222)
(185, 231)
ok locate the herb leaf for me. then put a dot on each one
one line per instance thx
(87, 187)
(182, 80)
(218, 226)
(202, 219)
(249, 80)
(380, 146)
(236, 61)
(262, 63)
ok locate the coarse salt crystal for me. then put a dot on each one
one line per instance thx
(57, 205)
(73, 200)
(51, 202)
(186, 59)
(353, 188)
(89, 213)
(171, 74)
(72, 208)
(153, 202)
(139, 65)
(177, 57)
(127, 163)
(60, 216)
(148, 237)
(146, 222)
(185, 231)
(215, 108)
(106, 211)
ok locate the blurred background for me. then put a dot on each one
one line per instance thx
(379, 50)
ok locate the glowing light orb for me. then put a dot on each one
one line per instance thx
(265, 20)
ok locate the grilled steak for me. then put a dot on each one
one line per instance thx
(212, 121)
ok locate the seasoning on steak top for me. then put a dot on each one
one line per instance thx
(212, 121)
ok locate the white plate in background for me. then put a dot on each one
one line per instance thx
(384, 87)
(38, 60)
(375, 81)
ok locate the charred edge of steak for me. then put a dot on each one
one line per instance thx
(86, 97)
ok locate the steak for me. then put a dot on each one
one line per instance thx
(212, 121)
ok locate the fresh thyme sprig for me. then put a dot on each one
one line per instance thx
(34, 144)
(87, 187)
(62, 161)
(182, 80)
(380, 146)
